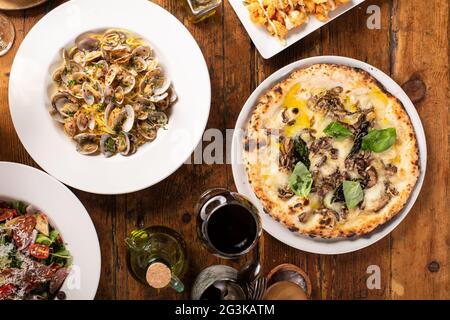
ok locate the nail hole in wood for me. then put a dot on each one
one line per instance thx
(186, 218)
(433, 266)
(416, 89)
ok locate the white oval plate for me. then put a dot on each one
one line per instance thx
(44, 139)
(277, 230)
(67, 215)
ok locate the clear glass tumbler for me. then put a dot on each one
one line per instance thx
(6, 34)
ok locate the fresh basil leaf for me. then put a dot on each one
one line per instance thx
(379, 140)
(337, 131)
(301, 151)
(301, 180)
(353, 193)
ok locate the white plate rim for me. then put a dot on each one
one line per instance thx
(267, 45)
(91, 265)
(277, 230)
(202, 76)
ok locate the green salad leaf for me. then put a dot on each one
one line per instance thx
(337, 130)
(19, 206)
(43, 239)
(353, 193)
(301, 180)
(63, 253)
(379, 140)
(54, 236)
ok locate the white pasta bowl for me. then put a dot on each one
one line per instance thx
(31, 80)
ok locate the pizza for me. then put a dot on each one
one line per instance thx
(330, 153)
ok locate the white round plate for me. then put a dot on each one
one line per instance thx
(43, 138)
(67, 215)
(277, 230)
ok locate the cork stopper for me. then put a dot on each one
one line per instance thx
(158, 275)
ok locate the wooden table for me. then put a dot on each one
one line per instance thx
(412, 46)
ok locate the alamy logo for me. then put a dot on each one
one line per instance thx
(374, 279)
(374, 20)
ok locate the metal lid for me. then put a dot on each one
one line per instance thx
(158, 275)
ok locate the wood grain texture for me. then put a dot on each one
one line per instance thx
(412, 46)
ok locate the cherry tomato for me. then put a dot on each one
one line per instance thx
(6, 214)
(6, 291)
(39, 251)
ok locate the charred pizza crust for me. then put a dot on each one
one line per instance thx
(397, 169)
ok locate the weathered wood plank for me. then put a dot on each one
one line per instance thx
(345, 275)
(420, 245)
(413, 46)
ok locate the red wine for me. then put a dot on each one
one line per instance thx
(231, 228)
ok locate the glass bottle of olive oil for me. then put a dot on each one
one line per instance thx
(157, 257)
(199, 10)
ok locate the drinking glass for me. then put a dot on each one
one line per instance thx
(228, 223)
(6, 34)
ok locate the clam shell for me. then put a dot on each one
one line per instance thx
(128, 83)
(86, 143)
(139, 64)
(91, 94)
(92, 56)
(124, 145)
(105, 149)
(162, 87)
(119, 95)
(129, 121)
(88, 44)
(82, 121)
(147, 130)
(111, 74)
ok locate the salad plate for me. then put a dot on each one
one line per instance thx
(67, 215)
(31, 83)
(318, 245)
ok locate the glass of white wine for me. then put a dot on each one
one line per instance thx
(6, 34)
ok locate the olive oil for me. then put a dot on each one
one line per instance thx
(199, 10)
(157, 257)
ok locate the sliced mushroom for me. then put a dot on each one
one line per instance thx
(285, 192)
(370, 177)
